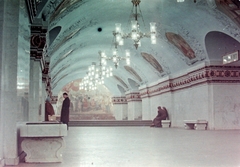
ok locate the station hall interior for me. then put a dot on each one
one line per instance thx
(119, 60)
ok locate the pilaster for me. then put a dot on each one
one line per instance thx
(134, 105)
(120, 107)
(34, 91)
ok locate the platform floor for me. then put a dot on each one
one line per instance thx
(148, 147)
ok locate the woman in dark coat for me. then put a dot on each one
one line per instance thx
(162, 115)
(65, 109)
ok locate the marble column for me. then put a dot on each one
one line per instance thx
(8, 81)
(134, 106)
(34, 91)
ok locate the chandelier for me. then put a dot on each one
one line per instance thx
(95, 76)
(115, 58)
(136, 35)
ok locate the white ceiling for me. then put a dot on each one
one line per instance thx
(78, 42)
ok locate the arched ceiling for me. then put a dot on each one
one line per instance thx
(79, 29)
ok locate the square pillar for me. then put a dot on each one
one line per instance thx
(134, 106)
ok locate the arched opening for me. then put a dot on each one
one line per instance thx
(219, 44)
(53, 33)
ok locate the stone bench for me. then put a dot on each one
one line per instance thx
(43, 141)
(166, 123)
(195, 124)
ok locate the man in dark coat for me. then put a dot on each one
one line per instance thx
(162, 115)
(65, 109)
(48, 109)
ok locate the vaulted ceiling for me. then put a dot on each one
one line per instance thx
(188, 34)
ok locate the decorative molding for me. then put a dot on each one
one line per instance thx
(133, 96)
(119, 100)
(37, 42)
(64, 8)
(121, 81)
(205, 75)
(229, 27)
(32, 9)
(54, 99)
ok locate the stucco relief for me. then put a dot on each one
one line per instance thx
(70, 33)
(87, 105)
(230, 9)
(59, 9)
(121, 81)
(151, 60)
(63, 7)
(133, 72)
(226, 22)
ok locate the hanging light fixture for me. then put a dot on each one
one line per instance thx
(95, 76)
(135, 33)
(115, 58)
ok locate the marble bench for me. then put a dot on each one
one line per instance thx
(43, 141)
(166, 123)
(195, 124)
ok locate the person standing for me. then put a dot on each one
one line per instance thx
(65, 109)
(48, 109)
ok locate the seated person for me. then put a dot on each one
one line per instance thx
(162, 115)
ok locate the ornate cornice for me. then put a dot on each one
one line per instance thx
(32, 9)
(205, 75)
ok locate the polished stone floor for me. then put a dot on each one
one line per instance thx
(148, 147)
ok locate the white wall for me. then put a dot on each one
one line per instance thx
(226, 106)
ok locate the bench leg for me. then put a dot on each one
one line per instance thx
(189, 126)
(200, 126)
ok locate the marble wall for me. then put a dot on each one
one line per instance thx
(226, 106)
(209, 93)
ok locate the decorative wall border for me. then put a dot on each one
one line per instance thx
(134, 96)
(119, 100)
(205, 75)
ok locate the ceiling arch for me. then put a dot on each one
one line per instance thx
(87, 25)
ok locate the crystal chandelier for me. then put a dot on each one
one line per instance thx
(115, 58)
(95, 76)
(135, 33)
